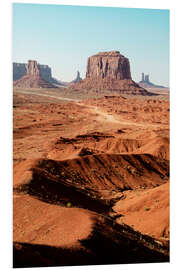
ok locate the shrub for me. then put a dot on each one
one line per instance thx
(69, 204)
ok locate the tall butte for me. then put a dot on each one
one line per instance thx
(110, 71)
(32, 79)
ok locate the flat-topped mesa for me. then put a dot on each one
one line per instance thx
(32, 68)
(108, 64)
(32, 77)
(113, 53)
(109, 71)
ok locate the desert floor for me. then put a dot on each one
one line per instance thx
(91, 178)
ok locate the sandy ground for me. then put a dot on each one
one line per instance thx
(83, 166)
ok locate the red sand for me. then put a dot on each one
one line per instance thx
(147, 211)
(114, 152)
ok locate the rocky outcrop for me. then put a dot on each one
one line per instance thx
(76, 80)
(109, 71)
(19, 70)
(32, 78)
(32, 68)
(46, 73)
(111, 65)
(145, 82)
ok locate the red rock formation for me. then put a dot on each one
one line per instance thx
(32, 68)
(109, 71)
(77, 79)
(32, 79)
(108, 64)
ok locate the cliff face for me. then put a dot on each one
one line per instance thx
(109, 71)
(108, 64)
(19, 70)
(45, 72)
(32, 68)
(32, 77)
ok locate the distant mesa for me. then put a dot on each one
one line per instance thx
(44, 71)
(109, 71)
(33, 75)
(32, 78)
(147, 84)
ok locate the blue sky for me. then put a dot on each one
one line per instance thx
(63, 37)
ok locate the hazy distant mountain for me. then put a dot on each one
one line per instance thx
(147, 84)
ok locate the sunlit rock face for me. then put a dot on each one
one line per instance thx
(111, 65)
(109, 71)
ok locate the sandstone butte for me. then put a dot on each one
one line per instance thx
(32, 79)
(109, 71)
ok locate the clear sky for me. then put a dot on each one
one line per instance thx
(63, 37)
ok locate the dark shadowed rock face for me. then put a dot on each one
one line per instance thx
(19, 70)
(109, 71)
(108, 64)
(78, 78)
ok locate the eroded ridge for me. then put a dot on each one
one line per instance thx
(91, 176)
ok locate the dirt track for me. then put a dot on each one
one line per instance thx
(99, 114)
(45, 95)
